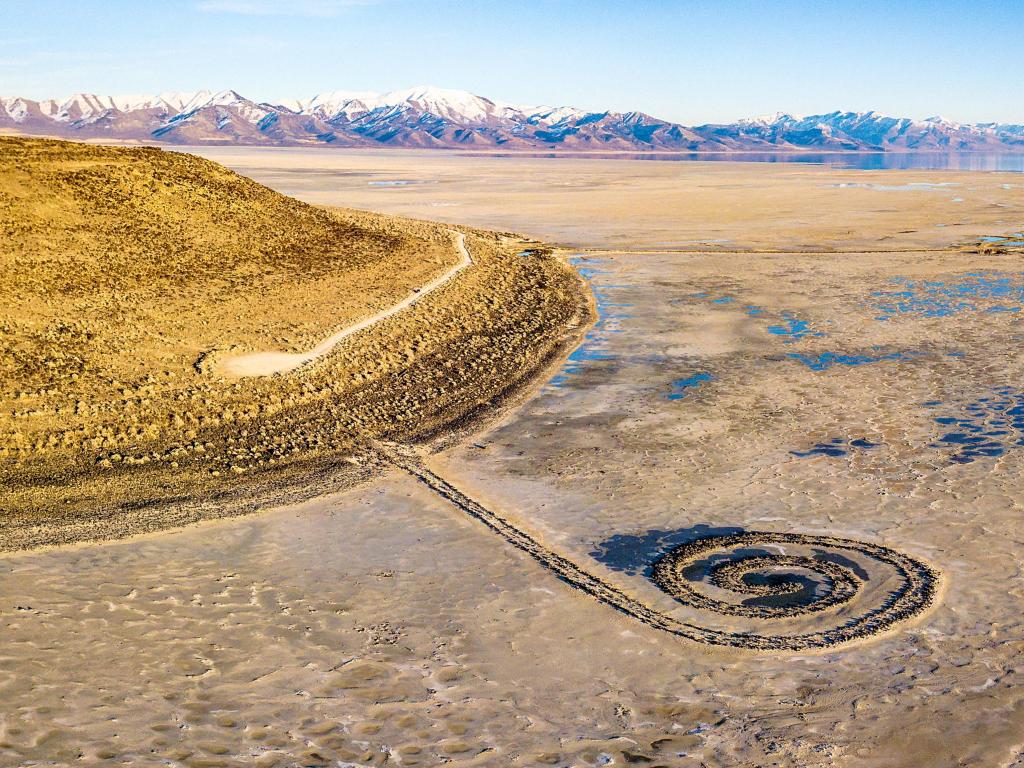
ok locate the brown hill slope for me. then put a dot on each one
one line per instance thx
(127, 274)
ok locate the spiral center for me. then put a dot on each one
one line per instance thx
(737, 575)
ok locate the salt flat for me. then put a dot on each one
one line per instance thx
(651, 204)
(860, 380)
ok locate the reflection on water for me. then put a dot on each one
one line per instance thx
(595, 343)
(864, 161)
(802, 589)
(920, 186)
(826, 360)
(972, 292)
(398, 182)
(790, 327)
(835, 447)
(683, 387)
(793, 328)
(985, 428)
(634, 553)
(1015, 240)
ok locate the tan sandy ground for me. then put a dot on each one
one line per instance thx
(653, 204)
(271, 363)
(380, 625)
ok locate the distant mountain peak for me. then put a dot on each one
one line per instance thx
(433, 116)
(773, 118)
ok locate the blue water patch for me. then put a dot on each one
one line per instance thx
(864, 161)
(985, 428)
(399, 182)
(971, 292)
(826, 360)
(836, 447)
(789, 325)
(917, 186)
(683, 387)
(705, 296)
(635, 553)
(1016, 241)
(794, 328)
(863, 442)
(595, 343)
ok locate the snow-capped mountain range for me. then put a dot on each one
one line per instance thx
(426, 116)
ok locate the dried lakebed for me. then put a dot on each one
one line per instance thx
(839, 584)
(381, 625)
(335, 629)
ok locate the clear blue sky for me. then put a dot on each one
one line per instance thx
(693, 62)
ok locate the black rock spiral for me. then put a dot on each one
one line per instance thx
(838, 584)
(916, 590)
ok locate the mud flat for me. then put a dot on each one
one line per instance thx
(754, 444)
(636, 204)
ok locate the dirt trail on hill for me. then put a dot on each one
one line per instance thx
(270, 363)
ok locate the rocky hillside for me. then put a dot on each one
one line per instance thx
(127, 275)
